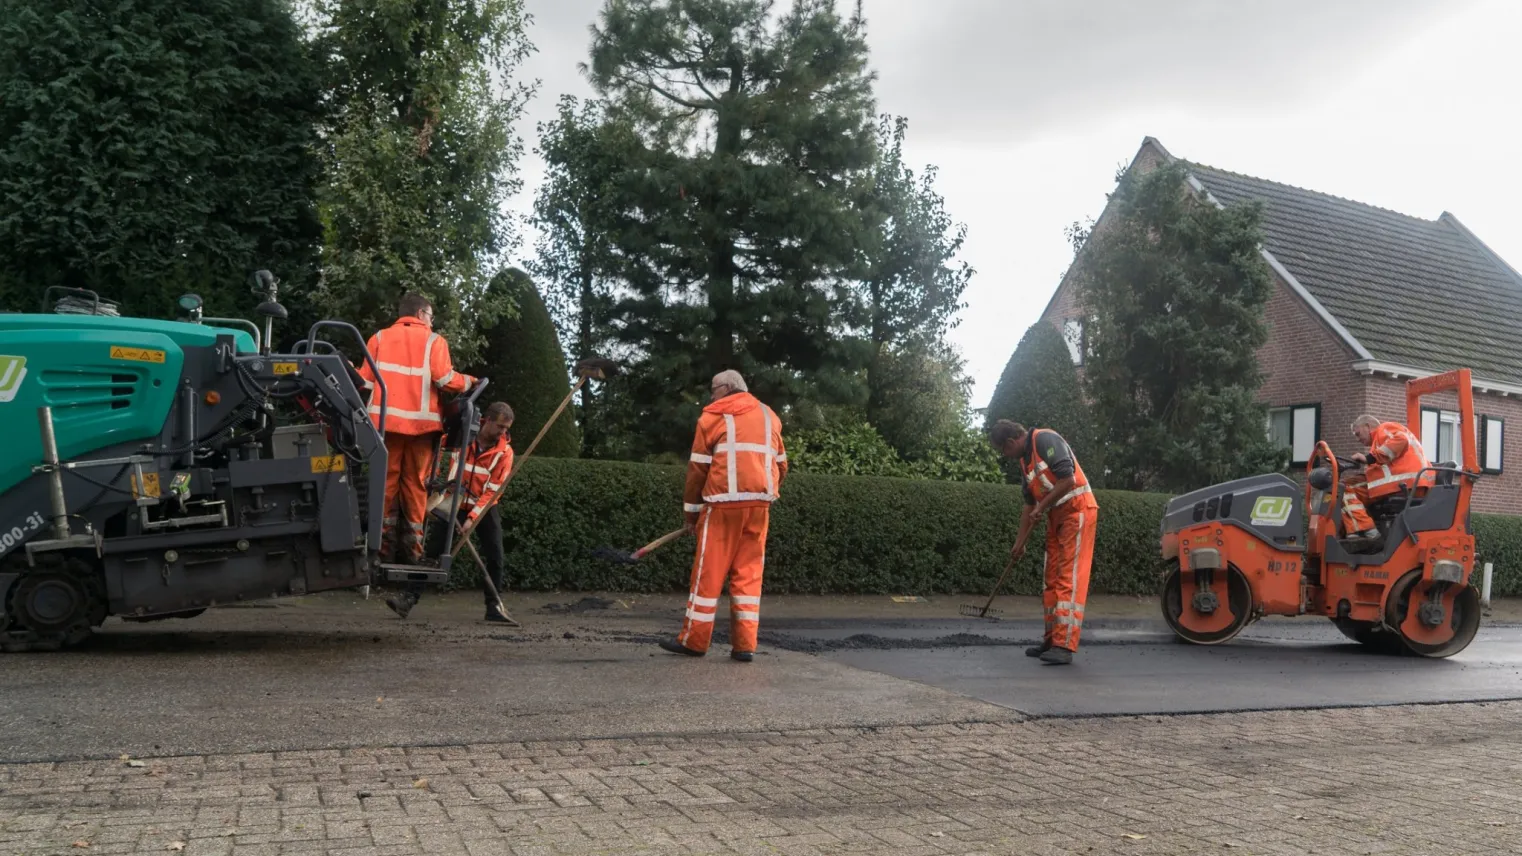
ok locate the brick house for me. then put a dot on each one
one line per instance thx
(1334, 352)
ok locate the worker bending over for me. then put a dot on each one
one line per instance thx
(1055, 486)
(1395, 461)
(414, 362)
(487, 461)
(736, 471)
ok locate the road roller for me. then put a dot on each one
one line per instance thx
(1267, 545)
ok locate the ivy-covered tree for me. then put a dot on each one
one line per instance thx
(421, 156)
(155, 147)
(912, 285)
(526, 367)
(1040, 388)
(754, 131)
(1175, 289)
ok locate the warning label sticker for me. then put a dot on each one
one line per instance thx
(137, 355)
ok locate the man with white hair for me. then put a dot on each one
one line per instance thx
(1395, 461)
(735, 473)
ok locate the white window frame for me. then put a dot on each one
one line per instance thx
(1072, 334)
(1433, 419)
(1303, 418)
(1492, 452)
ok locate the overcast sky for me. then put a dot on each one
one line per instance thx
(1029, 106)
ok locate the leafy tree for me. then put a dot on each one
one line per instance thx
(912, 286)
(845, 449)
(1040, 388)
(926, 399)
(155, 147)
(754, 131)
(526, 366)
(421, 156)
(1175, 290)
(576, 214)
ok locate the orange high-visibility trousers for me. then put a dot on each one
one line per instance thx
(409, 458)
(732, 546)
(1069, 555)
(1355, 517)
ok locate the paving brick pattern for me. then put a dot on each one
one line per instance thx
(1413, 780)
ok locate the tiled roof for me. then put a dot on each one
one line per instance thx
(1418, 293)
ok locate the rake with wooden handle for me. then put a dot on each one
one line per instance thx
(976, 612)
(593, 368)
(625, 558)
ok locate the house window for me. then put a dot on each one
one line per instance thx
(1492, 443)
(1296, 428)
(1440, 437)
(1072, 332)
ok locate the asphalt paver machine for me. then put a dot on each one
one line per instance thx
(1265, 545)
(152, 469)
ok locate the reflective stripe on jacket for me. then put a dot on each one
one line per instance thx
(1040, 480)
(485, 471)
(1396, 459)
(414, 362)
(737, 455)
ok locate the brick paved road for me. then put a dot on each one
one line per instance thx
(1411, 780)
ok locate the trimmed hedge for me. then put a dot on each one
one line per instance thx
(841, 535)
(829, 534)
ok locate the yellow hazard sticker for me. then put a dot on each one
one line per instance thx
(149, 486)
(328, 464)
(136, 355)
(284, 368)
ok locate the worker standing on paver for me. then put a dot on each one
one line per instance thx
(735, 473)
(1055, 486)
(414, 362)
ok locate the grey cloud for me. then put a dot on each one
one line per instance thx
(1012, 67)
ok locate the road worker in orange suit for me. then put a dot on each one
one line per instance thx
(487, 461)
(735, 473)
(1394, 465)
(1055, 486)
(414, 362)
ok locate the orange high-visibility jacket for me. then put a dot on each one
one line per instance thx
(1397, 458)
(737, 455)
(414, 362)
(1047, 461)
(485, 471)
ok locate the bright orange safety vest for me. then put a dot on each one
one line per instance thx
(414, 362)
(1040, 481)
(737, 455)
(1399, 456)
(485, 471)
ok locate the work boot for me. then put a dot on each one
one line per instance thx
(402, 603)
(500, 616)
(676, 647)
(1057, 657)
(1368, 534)
(1038, 650)
(742, 656)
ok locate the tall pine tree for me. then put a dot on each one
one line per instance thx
(156, 147)
(1175, 289)
(577, 215)
(754, 133)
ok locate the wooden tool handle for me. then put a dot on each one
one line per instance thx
(659, 542)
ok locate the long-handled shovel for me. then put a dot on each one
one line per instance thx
(626, 558)
(593, 368)
(977, 612)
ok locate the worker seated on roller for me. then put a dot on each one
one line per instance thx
(1394, 465)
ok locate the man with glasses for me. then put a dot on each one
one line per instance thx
(736, 471)
(414, 362)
